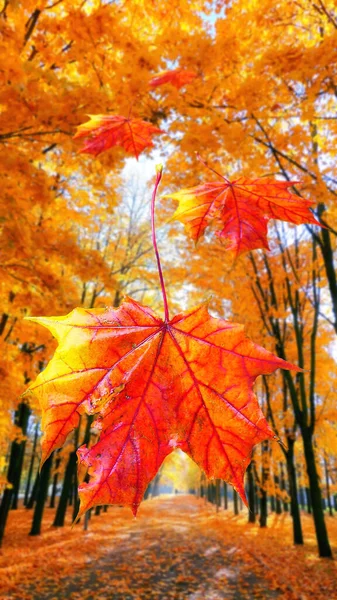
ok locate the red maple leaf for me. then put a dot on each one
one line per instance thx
(155, 386)
(241, 209)
(104, 131)
(177, 77)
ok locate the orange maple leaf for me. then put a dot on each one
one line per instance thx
(177, 77)
(104, 131)
(155, 386)
(242, 209)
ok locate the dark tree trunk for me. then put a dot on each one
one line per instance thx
(217, 494)
(14, 467)
(263, 491)
(202, 490)
(155, 487)
(328, 257)
(316, 496)
(31, 465)
(33, 496)
(41, 496)
(272, 504)
(295, 509)
(251, 494)
(263, 508)
(284, 489)
(278, 506)
(55, 480)
(327, 485)
(256, 499)
(21, 420)
(225, 496)
(98, 510)
(87, 517)
(67, 481)
(76, 497)
(213, 493)
(236, 502)
(147, 491)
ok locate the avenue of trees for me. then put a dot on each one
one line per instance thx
(75, 231)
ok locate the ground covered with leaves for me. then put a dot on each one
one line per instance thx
(177, 547)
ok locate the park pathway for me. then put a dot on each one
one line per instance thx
(172, 550)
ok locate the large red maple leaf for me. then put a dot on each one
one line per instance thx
(155, 386)
(241, 210)
(176, 77)
(104, 131)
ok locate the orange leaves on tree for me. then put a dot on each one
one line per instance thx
(154, 386)
(176, 77)
(103, 132)
(241, 209)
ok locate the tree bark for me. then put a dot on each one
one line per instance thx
(251, 494)
(217, 494)
(316, 496)
(236, 502)
(14, 467)
(31, 465)
(327, 485)
(295, 510)
(41, 496)
(67, 481)
(225, 496)
(55, 480)
(21, 420)
(33, 495)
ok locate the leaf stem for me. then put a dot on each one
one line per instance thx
(159, 170)
(211, 169)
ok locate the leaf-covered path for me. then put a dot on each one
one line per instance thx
(177, 548)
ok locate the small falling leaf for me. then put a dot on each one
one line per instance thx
(103, 132)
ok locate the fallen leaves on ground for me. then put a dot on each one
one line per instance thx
(178, 547)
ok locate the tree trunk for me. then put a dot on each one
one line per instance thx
(67, 481)
(31, 465)
(55, 480)
(21, 420)
(251, 495)
(272, 504)
(295, 509)
(147, 491)
(217, 494)
(41, 496)
(278, 506)
(14, 467)
(316, 496)
(225, 496)
(284, 489)
(33, 496)
(263, 508)
(327, 484)
(235, 502)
